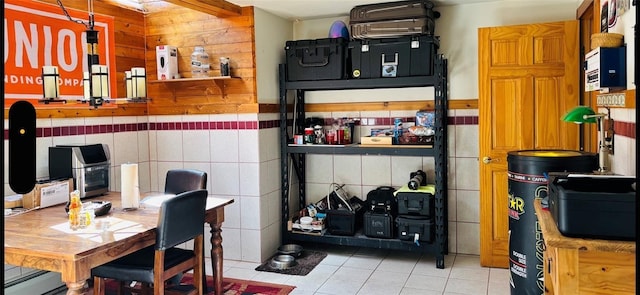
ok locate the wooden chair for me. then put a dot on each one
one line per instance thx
(181, 219)
(182, 180)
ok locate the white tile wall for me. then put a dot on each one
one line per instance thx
(245, 165)
(248, 145)
(225, 179)
(224, 146)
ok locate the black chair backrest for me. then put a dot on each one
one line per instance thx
(182, 180)
(181, 219)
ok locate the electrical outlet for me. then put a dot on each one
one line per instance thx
(612, 99)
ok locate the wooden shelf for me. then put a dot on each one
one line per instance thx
(218, 81)
(194, 79)
(357, 149)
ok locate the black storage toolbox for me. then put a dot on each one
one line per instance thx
(320, 59)
(378, 225)
(416, 202)
(343, 221)
(415, 228)
(596, 206)
(393, 57)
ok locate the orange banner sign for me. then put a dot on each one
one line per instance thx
(39, 34)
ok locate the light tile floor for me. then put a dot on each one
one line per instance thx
(352, 270)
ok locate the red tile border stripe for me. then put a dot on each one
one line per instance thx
(627, 129)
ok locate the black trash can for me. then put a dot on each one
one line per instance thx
(527, 171)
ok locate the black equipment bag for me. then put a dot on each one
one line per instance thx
(382, 200)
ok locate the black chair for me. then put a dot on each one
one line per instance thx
(179, 181)
(182, 180)
(181, 219)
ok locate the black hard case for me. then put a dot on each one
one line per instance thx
(378, 225)
(319, 59)
(410, 225)
(415, 203)
(593, 207)
(410, 55)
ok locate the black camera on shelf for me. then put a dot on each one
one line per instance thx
(418, 178)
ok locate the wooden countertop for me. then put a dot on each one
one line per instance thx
(553, 237)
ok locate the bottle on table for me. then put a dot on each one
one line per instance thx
(75, 206)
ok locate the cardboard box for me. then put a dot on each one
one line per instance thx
(376, 140)
(381, 131)
(48, 194)
(167, 61)
(13, 201)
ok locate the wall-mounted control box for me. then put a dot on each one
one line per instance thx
(605, 68)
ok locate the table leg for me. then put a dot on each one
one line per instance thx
(216, 257)
(75, 288)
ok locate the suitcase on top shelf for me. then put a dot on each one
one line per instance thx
(393, 28)
(392, 10)
(393, 19)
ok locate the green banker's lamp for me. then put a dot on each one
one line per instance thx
(585, 114)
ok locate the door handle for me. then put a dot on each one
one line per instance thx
(486, 160)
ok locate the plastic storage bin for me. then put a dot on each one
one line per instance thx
(393, 57)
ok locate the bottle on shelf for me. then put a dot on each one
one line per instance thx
(397, 130)
(199, 63)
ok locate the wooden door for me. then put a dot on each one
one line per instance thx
(528, 78)
(588, 26)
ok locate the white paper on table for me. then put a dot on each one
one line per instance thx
(155, 201)
(115, 224)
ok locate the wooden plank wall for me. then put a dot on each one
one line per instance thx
(233, 37)
(130, 52)
(137, 34)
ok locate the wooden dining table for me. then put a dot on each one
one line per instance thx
(42, 239)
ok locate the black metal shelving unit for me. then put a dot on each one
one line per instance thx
(297, 154)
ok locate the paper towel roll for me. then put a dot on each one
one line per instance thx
(130, 191)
